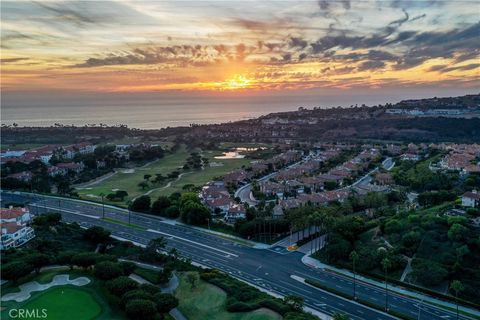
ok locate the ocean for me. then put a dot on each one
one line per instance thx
(143, 113)
(154, 111)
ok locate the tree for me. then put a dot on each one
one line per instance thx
(65, 257)
(127, 267)
(107, 270)
(147, 177)
(172, 212)
(121, 194)
(84, 260)
(141, 204)
(456, 286)
(340, 316)
(354, 257)
(295, 302)
(457, 232)
(194, 213)
(119, 286)
(37, 261)
(96, 235)
(143, 185)
(140, 309)
(192, 279)
(160, 205)
(16, 270)
(153, 249)
(165, 302)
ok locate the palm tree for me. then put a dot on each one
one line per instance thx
(354, 257)
(456, 286)
(386, 263)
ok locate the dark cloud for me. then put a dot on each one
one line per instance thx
(302, 56)
(251, 24)
(448, 44)
(298, 42)
(371, 65)
(12, 60)
(181, 55)
(325, 5)
(445, 68)
(287, 57)
(69, 14)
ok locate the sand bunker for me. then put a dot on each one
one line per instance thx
(27, 288)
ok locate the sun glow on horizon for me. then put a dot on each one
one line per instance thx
(237, 82)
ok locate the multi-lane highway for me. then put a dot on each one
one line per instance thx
(276, 271)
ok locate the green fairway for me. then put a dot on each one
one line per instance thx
(200, 177)
(66, 303)
(206, 302)
(128, 179)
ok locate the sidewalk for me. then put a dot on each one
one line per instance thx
(314, 263)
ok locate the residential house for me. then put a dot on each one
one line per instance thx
(383, 179)
(219, 205)
(71, 166)
(25, 176)
(471, 199)
(235, 177)
(14, 227)
(235, 212)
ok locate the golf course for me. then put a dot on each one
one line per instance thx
(206, 301)
(128, 179)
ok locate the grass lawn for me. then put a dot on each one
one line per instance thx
(208, 302)
(123, 223)
(147, 274)
(66, 302)
(21, 146)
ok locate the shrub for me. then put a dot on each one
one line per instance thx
(165, 302)
(107, 270)
(276, 306)
(85, 259)
(240, 307)
(16, 270)
(135, 295)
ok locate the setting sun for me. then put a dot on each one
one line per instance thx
(237, 82)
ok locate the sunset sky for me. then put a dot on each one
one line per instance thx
(246, 46)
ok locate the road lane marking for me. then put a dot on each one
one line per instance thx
(196, 243)
(64, 210)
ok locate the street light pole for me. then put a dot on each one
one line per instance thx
(419, 309)
(103, 208)
(386, 291)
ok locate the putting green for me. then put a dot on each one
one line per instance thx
(66, 303)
